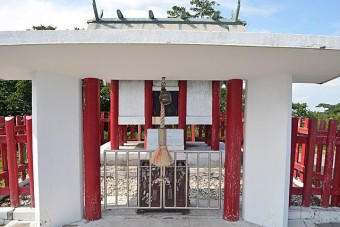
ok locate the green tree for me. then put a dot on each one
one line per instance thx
(16, 97)
(198, 9)
(43, 27)
(223, 97)
(301, 110)
(330, 112)
(104, 97)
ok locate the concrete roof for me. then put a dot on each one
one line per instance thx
(148, 54)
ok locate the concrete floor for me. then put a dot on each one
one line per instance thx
(128, 218)
(196, 218)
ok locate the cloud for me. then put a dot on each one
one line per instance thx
(313, 94)
(23, 14)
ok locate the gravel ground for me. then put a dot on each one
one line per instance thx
(25, 201)
(297, 200)
(198, 182)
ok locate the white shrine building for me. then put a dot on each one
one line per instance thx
(133, 53)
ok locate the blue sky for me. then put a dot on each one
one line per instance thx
(315, 17)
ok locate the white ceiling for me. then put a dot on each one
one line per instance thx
(140, 55)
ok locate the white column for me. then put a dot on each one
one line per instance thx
(57, 149)
(267, 150)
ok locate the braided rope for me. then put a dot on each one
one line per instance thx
(162, 125)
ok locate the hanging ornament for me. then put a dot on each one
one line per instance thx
(161, 156)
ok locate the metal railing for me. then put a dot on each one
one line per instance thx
(192, 182)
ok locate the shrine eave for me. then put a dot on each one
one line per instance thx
(150, 54)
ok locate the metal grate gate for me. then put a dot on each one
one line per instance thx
(192, 182)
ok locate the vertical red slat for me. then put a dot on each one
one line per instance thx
(3, 150)
(139, 133)
(29, 147)
(319, 154)
(336, 179)
(193, 133)
(328, 167)
(222, 125)
(303, 150)
(12, 162)
(21, 149)
(125, 133)
(121, 135)
(297, 153)
(233, 146)
(102, 124)
(182, 108)
(309, 162)
(209, 135)
(108, 128)
(114, 112)
(215, 127)
(200, 129)
(148, 109)
(296, 159)
(293, 153)
(91, 141)
(132, 132)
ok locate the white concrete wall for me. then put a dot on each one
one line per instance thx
(131, 102)
(199, 102)
(267, 150)
(57, 149)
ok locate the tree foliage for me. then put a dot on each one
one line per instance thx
(198, 9)
(16, 97)
(301, 110)
(104, 97)
(43, 27)
(330, 112)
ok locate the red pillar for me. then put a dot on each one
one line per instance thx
(124, 134)
(12, 162)
(139, 133)
(91, 138)
(233, 151)
(29, 147)
(114, 105)
(193, 133)
(148, 99)
(182, 107)
(215, 127)
(200, 128)
(132, 132)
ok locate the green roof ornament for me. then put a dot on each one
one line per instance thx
(238, 10)
(215, 15)
(151, 15)
(96, 15)
(183, 18)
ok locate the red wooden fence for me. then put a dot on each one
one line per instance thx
(15, 146)
(136, 132)
(315, 161)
